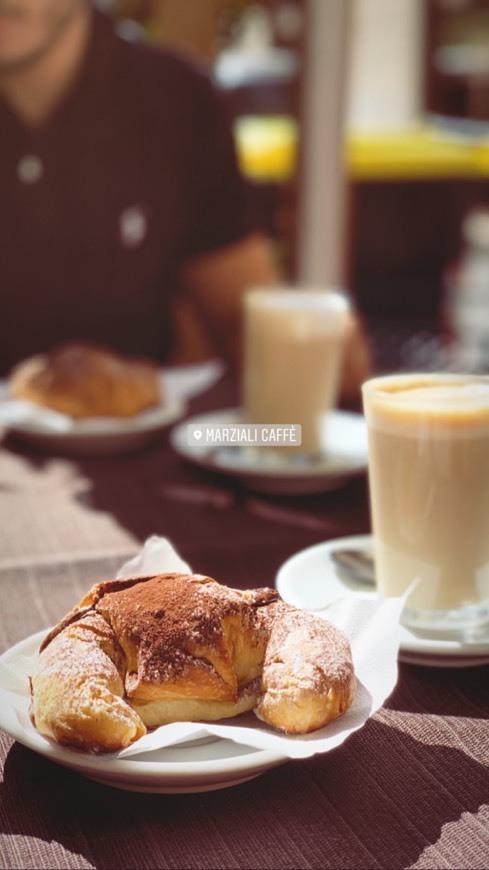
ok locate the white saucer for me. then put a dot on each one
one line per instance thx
(197, 766)
(101, 436)
(345, 456)
(311, 580)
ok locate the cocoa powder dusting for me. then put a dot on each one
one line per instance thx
(169, 616)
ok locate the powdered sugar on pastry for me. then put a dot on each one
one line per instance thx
(308, 677)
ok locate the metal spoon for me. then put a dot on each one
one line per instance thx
(358, 564)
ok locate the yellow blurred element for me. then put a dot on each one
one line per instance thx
(421, 152)
(267, 146)
(268, 150)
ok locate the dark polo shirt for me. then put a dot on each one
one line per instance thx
(134, 174)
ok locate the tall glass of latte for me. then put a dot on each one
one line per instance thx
(429, 494)
(292, 357)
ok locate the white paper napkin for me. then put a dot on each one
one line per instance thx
(371, 624)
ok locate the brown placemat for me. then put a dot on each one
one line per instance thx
(35, 596)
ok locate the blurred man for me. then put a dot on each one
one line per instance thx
(119, 192)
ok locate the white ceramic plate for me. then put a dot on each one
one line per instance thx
(201, 765)
(345, 456)
(311, 580)
(96, 436)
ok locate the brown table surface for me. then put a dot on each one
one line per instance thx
(410, 789)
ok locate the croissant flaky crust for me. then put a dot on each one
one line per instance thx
(139, 653)
(84, 380)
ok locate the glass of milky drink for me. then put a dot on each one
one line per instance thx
(428, 440)
(293, 347)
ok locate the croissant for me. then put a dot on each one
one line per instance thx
(83, 380)
(135, 654)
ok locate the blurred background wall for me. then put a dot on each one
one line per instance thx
(363, 126)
